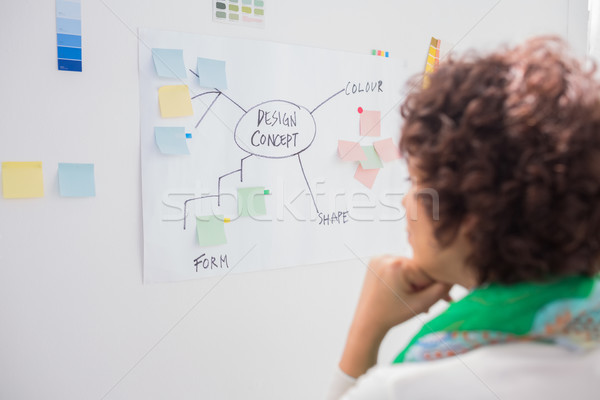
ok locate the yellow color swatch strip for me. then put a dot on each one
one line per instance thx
(433, 60)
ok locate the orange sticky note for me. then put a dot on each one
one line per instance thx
(22, 180)
(387, 150)
(366, 176)
(175, 101)
(350, 151)
(370, 123)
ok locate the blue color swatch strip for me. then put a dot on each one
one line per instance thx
(68, 35)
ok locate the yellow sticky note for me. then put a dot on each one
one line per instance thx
(432, 51)
(175, 101)
(22, 179)
(430, 60)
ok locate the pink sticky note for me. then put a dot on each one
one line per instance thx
(350, 151)
(370, 123)
(366, 176)
(387, 150)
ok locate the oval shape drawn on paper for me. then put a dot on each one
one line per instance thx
(275, 129)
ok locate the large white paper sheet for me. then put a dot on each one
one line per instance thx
(273, 125)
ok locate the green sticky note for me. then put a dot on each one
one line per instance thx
(210, 230)
(251, 201)
(373, 161)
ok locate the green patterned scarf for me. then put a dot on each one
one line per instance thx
(564, 311)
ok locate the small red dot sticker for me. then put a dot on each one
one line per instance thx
(360, 110)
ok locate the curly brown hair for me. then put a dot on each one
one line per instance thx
(513, 139)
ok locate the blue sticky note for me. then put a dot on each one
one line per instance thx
(188, 135)
(68, 26)
(211, 73)
(76, 180)
(68, 40)
(68, 9)
(171, 139)
(69, 53)
(169, 63)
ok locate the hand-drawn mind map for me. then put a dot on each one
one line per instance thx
(278, 129)
(274, 129)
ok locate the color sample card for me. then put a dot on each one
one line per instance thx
(373, 161)
(433, 55)
(240, 12)
(68, 35)
(381, 53)
(387, 150)
(433, 59)
(76, 180)
(22, 180)
(171, 139)
(366, 176)
(370, 123)
(211, 73)
(210, 230)
(350, 151)
(169, 63)
(175, 101)
(251, 201)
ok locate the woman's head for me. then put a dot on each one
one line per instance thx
(505, 148)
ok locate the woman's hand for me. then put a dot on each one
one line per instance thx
(394, 291)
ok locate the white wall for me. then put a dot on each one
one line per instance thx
(77, 323)
(593, 43)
